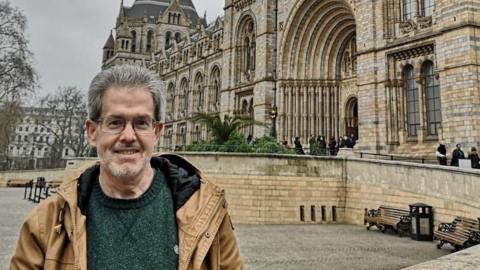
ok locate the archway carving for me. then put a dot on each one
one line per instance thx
(317, 56)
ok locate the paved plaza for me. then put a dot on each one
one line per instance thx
(275, 246)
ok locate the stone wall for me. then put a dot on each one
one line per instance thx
(270, 189)
(267, 189)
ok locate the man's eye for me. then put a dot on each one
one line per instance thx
(114, 123)
(142, 123)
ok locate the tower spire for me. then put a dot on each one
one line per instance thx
(121, 13)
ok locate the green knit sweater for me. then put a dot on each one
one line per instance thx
(132, 234)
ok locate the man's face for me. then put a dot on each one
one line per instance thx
(125, 155)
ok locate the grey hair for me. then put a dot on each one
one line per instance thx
(125, 76)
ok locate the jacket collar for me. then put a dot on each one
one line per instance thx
(183, 179)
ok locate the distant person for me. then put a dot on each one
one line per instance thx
(457, 154)
(342, 142)
(312, 144)
(351, 141)
(285, 143)
(473, 156)
(298, 146)
(322, 145)
(332, 146)
(249, 139)
(441, 154)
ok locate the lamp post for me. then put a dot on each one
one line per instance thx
(274, 110)
(273, 116)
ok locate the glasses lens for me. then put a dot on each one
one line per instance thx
(116, 125)
(113, 124)
(143, 125)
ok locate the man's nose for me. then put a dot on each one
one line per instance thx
(128, 133)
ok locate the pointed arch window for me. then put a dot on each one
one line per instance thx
(134, 41)
(183, 98)
(170, 100)
(198, 92)
(249, 49)
(427, 7)
(168, 39)
(178, 37)
(214, 89)
(432, 98)
(412, 103)
(408, 9)
(197, 132)
(149, 40)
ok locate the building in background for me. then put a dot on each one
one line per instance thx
(43, 139)
(401, 75)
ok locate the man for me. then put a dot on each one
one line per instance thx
(441, 154)
(457, 154)
(131, 210)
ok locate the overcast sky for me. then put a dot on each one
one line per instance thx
(67, 36)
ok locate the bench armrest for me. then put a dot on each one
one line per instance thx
(446, 227)
(406, 219)
(373, 213)
(474, 236)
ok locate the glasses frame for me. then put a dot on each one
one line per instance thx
(101, 120)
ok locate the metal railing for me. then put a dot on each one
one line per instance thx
(398, 158)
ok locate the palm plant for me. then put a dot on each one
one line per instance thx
(223, 129)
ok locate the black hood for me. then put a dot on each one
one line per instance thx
(182, 179)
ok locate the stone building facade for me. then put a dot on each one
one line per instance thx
(45, 139)
(402, 75)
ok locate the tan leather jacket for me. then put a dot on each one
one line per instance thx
(54, 234)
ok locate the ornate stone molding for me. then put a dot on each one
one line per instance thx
(241, 4)
(414, 52)
(408, 26)
(424, 22)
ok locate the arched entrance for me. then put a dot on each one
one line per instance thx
(351, 117)
(317, 61)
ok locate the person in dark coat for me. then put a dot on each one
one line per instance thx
(332, 146)
(342, 141)
(351, 141)
(322, 145)
(441, 154)
(473, 156)
(457, 154)
(312, 142)
(298, 146)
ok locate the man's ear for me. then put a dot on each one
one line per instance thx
(92, 129)
(158, 131)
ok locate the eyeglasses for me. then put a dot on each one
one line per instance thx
(116, 125)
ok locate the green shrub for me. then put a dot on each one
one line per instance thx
(236, 143)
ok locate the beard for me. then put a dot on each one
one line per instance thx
(124, 172)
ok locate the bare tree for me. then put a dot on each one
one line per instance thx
(17, 75)
(67, 112)
(11, 113)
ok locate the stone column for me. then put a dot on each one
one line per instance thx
(289, 113)
(322, 110)
(281, 112)
(304, 105)
(312, 109)
(422, 131)
(296, 129)
(329, 112)
(402, 132)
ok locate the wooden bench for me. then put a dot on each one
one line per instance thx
(460, 233)
(18, 182)
(386, 217)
